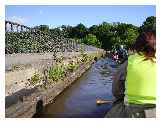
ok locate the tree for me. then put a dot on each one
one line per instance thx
(103, 35)
(91, 39)
(43, 28)
(80, 31)
(93, 29)
(123, 34)
(67, 30)
(56, 31)
(148, 24)
(131, 37)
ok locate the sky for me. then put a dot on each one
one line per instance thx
(55, 16)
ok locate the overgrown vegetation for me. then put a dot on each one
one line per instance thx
(34, 42)
(56, 73)
(91, 39)
(35, 79)
(59, 70)
(105, 35)
(72, 66)
(108, 35)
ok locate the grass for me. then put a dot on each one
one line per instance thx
(35, 79)
(56, 73)
(72, 66)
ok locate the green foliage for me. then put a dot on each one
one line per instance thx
(43, 28)
(91, 39)
(85, 58)
(82, 49)
(79, 31)
(56, 73)
(56, 32)
(130, 37)
(109, 35)
(149, 24)
(32, 42)
(67, 30)
(35, 79)
(72, 66)
(104, 35)
(93, 29)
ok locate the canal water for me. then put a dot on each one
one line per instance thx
(79, 100)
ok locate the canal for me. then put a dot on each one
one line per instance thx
(79, 100)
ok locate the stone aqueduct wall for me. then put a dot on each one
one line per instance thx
(21, 101)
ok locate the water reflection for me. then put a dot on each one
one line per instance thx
(80, 99)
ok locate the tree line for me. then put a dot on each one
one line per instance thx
(105, 35)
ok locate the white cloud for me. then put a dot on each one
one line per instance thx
(18, 19)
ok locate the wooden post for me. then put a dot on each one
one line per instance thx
(17, 27)
(21, 28)
(11, 27)
(5, 26)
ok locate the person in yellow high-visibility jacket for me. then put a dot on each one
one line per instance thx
(134, 85)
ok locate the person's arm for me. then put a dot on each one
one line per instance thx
(118, 85)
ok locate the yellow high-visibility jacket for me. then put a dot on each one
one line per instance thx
(140, 84)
